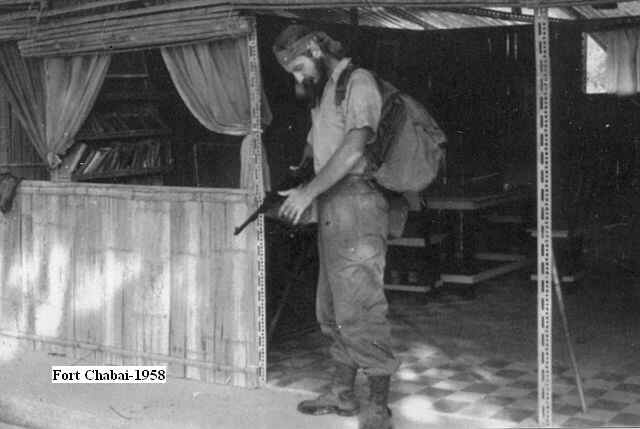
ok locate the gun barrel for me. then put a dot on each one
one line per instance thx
(250, 219)
(272, 199)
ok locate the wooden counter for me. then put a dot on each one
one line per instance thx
(132, 275)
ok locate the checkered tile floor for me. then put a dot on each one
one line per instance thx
(492, 389)
(471, 385)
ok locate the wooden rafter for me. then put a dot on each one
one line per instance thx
(606, 24)
(18, 3)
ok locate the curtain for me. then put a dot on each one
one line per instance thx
(72, 85)
(22, 80)
(623, 61)
(51, 97)
(212, 79)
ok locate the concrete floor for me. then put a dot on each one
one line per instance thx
(29, 400)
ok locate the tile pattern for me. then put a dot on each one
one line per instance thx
(474, 387)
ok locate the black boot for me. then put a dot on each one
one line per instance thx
(377, 415)
(340, 399)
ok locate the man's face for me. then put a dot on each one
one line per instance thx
(304, 69)
(310, 73)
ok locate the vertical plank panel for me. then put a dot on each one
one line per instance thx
(209, 270)
(44, 315)
(26, 234)
(220, 280)
(56, 312)
(186, 258)
(238, 309)
(179, 273)
(158, 293)
(90, 279)
(12, 305)
(116, 230)
(240, 303)
(132, 301)
(251, 317)
(199, 325)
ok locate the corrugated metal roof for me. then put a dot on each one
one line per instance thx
(620, 11)
(398, 18)
(446, 20)
(397, 14)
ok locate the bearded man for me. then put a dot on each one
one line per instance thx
(353, 214)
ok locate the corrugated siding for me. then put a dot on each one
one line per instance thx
(140, 273)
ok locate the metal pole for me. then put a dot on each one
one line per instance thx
(255, 91)
(565, 325)
(544, 245)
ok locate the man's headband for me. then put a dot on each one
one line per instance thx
(300, 46)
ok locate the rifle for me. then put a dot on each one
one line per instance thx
(272, 199)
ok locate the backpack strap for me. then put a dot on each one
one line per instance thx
(343, 80)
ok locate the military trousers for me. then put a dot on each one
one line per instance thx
(351, 306)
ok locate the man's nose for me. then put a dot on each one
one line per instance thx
(299, 78)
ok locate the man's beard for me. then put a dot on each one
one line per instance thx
(313, 90)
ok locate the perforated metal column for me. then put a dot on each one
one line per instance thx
(543, 126)
(258, 194)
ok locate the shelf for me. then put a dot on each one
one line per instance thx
(127, 75)
(413, 287)
(125, 135)
(123, 173)
(417, 242)
(128, 96)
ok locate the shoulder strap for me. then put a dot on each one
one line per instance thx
(385, 88)
(341, 85)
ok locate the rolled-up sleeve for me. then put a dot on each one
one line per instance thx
(363, 102)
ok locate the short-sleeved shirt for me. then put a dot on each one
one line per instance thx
(360, 108)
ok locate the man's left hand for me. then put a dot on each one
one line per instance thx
(298, 200)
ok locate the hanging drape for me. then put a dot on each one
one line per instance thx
(212, 79)
(72, 85)
(623, 60)
(22, 80)
(51, 97)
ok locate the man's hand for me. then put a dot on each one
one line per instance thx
(298, 200)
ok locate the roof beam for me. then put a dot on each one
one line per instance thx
(607, 24)
(18, 3)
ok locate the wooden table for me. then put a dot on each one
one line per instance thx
(463, 270)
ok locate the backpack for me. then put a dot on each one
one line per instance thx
(407, 151)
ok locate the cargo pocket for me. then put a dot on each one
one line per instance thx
(361, 249)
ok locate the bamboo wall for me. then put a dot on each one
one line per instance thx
(132, 275)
